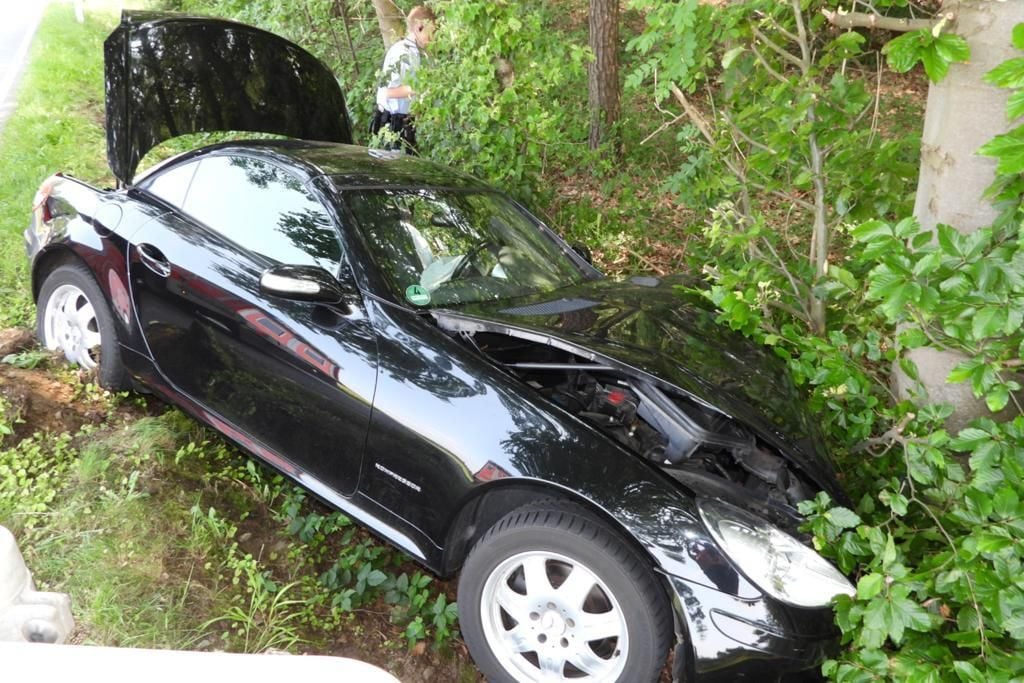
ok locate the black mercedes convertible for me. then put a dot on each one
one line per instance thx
(613, 474)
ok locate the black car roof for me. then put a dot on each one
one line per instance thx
(348, 166)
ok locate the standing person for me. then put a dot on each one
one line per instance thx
(400, 64)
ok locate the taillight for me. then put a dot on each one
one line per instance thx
(41, 202)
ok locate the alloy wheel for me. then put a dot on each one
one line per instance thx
(547, 617)
(70, 324)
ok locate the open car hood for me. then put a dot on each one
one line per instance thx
(648, 325)
(169, 75)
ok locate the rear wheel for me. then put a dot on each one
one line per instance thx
(551, 593)
(73, 318)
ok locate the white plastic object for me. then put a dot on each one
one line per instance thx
(86, 664)
(26, 614)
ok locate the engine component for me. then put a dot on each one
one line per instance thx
(612, 406)
(682, 431)
(768, 468)
(669, 430)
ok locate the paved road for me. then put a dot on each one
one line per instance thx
(20, 19)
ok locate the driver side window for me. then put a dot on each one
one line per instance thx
(264, 209)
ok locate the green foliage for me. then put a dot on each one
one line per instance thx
(26, 360)
(1008, 148)
(508, 135)
(937, 536)
(53, 129)
(360, 571)
(773, 148)
(935, 50)
(31, 477)
(936, 539)
(677, 44)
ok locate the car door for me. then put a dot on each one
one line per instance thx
(290, 380)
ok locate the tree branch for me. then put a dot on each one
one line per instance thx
(692, 113)
(775, 48)
(768, 67)
(747, 138)
(848, 20)
(666, 124)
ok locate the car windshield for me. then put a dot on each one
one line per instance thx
(440, 247)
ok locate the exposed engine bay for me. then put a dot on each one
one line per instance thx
(693, 442)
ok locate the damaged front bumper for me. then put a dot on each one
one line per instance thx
(722, 637)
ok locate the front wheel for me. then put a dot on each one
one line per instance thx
(73, 317)
(551, 593)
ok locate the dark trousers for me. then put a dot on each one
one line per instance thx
(402, 124)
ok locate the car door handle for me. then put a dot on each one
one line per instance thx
(154, 259)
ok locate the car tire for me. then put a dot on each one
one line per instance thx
(550, 588)
(73, 317)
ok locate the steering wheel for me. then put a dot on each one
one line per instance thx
(469, 258)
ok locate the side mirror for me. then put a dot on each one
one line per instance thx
(584, 251)
(302, 283)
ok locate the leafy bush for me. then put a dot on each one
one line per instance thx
(506, 135)
(936, 538)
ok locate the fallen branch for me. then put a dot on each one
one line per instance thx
(848, 20)
(691, 111)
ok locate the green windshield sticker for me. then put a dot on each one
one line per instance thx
(417, 296)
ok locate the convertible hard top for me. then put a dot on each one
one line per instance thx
(169, 75)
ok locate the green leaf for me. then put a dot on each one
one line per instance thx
(988, 321)
(907, 227)
(909, 368)
(968, 673)
(843, 518)
(1015, 105)
(997, 398)
(1005, 502)
(970, 438)
(870, 585)
(928, 263)
(1009, 74)
(868, 231)
(950, 241)
(895, 615)
(964, 371)
(851, 42)
(912, 338)
(1008, 149)
(904, 52)
(845, 277)
(934, 65)
(1018, 36)
(952, 48)
(730, 56)
(993, 543)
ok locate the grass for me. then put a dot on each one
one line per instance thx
(164, 534)
(57, 126)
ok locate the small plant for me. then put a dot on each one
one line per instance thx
(266, 621)
(32, 475)
(27, 360)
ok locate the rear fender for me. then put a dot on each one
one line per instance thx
(73, 221)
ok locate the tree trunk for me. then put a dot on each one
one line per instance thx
(391, 21)
(603, 72)
(963, 113)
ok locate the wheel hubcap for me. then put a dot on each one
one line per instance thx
(70, 324)
(547, 617)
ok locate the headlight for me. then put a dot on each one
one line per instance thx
(776, 562)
